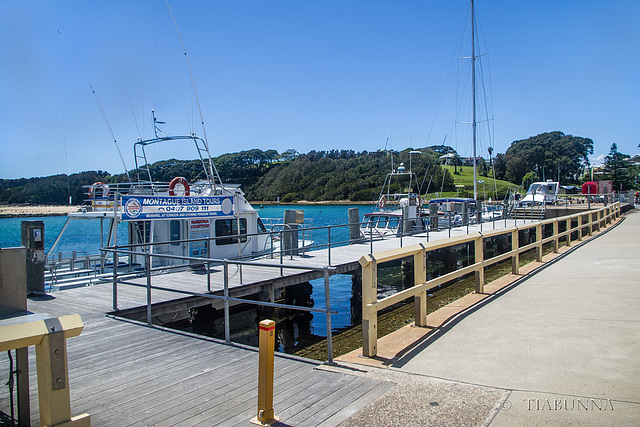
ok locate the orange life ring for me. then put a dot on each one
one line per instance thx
(94, 188)
(181, 181)
(382, 201)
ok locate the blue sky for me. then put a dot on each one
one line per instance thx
(307, 75)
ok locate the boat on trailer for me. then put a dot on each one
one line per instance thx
(202, 219)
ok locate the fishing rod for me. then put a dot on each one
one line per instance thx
(126, 170)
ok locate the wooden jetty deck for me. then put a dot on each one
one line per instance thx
(254, 279)
(125, 373)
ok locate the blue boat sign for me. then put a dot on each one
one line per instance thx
(156, 207)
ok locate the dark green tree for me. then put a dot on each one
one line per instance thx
(554, 155)
(617, 170)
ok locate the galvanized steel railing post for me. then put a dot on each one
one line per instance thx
(327, 299)
(227, 327)
(147, 257)
(208, 276)
(271, 239)
(329, 250)
(281, 252)
(115, 281)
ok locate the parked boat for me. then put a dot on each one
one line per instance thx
(541, 193)
(453, 211)
(202, 219)
(397, 212)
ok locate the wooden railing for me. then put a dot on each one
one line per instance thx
(49, 338)
(585, 224)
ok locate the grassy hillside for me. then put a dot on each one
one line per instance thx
(464, 177)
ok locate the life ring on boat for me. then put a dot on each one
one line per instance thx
(179, 181)
(382, 201)
(93, 190)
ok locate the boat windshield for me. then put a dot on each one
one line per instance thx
(536, 188)
(380, 221)
(370, 221)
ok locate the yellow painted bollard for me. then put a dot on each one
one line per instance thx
(265, 374)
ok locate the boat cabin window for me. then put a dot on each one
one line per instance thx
(261, 227)
(174, 231)
(229, 227)
(383, 222)
(393, 223)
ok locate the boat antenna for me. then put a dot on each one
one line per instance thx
(126, 170)
(132, 112)
(212, 168)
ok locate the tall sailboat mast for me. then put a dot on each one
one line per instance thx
(473, 84)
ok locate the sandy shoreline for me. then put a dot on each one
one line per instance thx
(34, 211)
(14, 211)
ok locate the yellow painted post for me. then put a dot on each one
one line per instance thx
(479, 258)
(579, 227)
(54, 403)
(369, 314)
(568, 222)
(515, 246)
(265, 374)
(419, 278)
(539, 242)
(556, 243)
(599, 217)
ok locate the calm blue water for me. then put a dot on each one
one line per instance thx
(84, 236)
(81, 236)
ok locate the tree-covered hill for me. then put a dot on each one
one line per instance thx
(346, 174)
(50, 190)
(343, 175)
(264, 175)
(547, 156)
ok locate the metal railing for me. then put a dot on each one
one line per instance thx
(208, 262)
(595, 220)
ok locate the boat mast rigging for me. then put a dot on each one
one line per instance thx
(473, 84)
